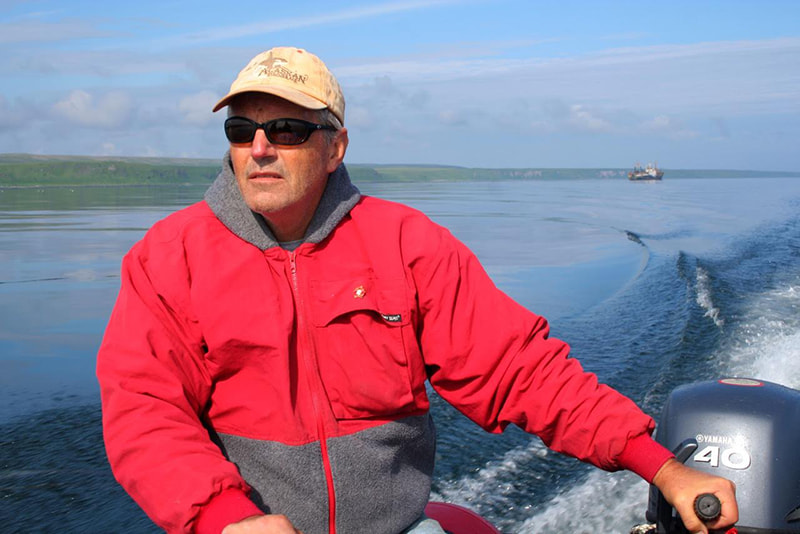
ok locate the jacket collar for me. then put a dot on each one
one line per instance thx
(225, 200)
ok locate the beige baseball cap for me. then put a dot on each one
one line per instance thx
(292, 74)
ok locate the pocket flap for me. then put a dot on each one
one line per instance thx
(385, 299)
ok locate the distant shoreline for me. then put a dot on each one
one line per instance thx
(95, 186)
(32, 171)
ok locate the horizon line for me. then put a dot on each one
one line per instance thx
(4, 155)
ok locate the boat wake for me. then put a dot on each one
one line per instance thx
(766, 344)
(704, 297)
(493, 487)
(605, 502)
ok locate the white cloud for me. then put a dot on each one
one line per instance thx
(196, 108)
(308, 20)
(80, 107)
(583, 119)
(740, 76)
(662, 122)
(452, 117)
(669, 126)
(359, 117)
(382, 104)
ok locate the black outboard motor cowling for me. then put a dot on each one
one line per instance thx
(747, 431)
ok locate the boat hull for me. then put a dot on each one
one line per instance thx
(645, 176)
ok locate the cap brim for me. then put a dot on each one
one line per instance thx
(292, 95)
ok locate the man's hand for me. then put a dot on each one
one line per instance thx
(681, 485)
(262, 524)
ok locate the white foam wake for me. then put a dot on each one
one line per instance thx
(767, 343)
(704, 297)
(491, 484)
(605, 502)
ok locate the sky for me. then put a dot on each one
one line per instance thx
(491, 84)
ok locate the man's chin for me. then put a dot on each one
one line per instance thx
(266, 206)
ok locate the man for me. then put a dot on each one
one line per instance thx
(264, 367)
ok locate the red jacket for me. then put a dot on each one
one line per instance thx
(239, 377)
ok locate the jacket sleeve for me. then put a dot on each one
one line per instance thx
(494, 361)
(154, 388)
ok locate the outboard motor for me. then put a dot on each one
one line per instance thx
(747, 431)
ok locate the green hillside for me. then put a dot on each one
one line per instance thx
(26, 170)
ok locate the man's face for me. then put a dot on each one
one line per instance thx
(283, 183)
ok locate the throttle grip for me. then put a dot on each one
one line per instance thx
(707, 507)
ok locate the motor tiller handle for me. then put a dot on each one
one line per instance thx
(707, 507)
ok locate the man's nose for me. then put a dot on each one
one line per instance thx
(261, 147)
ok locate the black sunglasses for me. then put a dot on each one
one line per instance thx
(279, 131)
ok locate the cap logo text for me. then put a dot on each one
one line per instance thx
(277, 67)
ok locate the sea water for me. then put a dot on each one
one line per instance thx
(654, 285)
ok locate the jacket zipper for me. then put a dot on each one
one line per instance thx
(313, 372)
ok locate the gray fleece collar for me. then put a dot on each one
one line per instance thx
(225, 200)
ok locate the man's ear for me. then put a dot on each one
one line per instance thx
(337, 149)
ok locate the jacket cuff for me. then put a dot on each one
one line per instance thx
(228, 507)
(644, 456)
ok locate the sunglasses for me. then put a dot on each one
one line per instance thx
(285, 132)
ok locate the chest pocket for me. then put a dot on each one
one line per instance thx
(361, 327)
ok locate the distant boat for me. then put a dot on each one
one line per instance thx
(650, 172)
